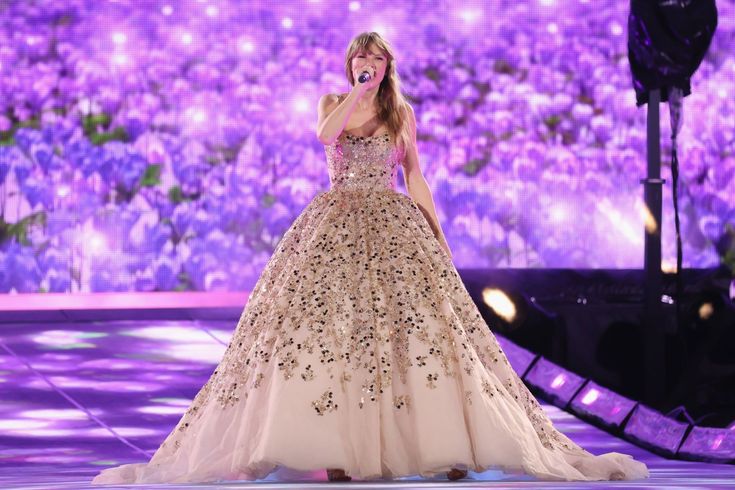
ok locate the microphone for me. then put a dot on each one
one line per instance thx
(364, 77)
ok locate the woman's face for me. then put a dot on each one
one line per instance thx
(372, 60)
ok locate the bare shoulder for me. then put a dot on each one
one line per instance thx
(409, 115)
(328, 102)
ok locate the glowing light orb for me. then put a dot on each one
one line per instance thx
(187, 38)
(196, 115)
(717, 442)
(706, 310)
(381, 29)
(301, 105)
(500, 303)
(119, 38)
(668, 266)
(354, 6)
(63, 190)
(287, 23)
(94, 242)
(167, 10)
(552, 28)
(470, 16)
(212, 11)
(547, 3)
(558, 213)
(615, 28)
(559, 381)
(120, 59)
(590, 397)
(246, 46)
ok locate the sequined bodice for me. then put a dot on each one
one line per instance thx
(362, 162)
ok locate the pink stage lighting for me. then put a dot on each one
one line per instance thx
(554, 380)
(603, 405)
(655, 430)
(709, 443)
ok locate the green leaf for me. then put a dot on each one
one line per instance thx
(152, 176)
(92, 122)
(268, 200)
(117, 134)
(474, 166)
(175, 195)
(7, 138)
(432, 74)
(552, 122)
(19, 231)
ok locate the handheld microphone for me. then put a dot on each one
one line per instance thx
(364, 77)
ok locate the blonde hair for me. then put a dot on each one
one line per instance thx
(393, 108)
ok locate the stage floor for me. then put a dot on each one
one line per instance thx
(79, 397)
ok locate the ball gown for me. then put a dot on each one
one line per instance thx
(359, 348)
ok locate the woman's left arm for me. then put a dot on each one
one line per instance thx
(417, 186)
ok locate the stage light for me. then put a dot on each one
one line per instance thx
(246, 45)
(668, 266)
(649, 222)
(555, 381)
(63, 190)
(615, 28)
(287, 23)
(167, 10)
(605, 406)
(196, 115)
(654, 430)
(500, 303)
(212, 11)
(302, 105)
(119, 38)
(709, 443)
(354, 6)
(706, 310)
(470, 16)
(552, 28)
(558, 213)
(120, 59)
(187, 38)
(94, 242)
(520, 359)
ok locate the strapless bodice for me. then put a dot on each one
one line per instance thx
(362, 162)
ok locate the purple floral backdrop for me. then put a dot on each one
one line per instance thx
(167, 145)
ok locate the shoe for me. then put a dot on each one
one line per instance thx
(456, 474)
(338, 475)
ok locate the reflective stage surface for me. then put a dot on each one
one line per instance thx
(79, 397)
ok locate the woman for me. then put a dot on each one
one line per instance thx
(359, 350)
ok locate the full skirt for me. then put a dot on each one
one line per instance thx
(360, 349)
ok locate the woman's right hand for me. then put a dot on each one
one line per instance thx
(360, 88)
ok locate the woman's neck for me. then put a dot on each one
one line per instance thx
(368, 100)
